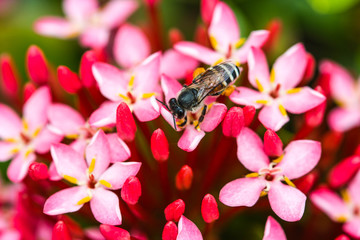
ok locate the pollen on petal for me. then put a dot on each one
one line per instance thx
(148, 95)
(239, 43)
(282, 110)
(92, 165)
(70, 179)
(105, 183)
(84, 200)
(294, 90)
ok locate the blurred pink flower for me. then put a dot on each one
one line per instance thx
(86, 19)
(94, 179)
(345, 210)
(225, 39)
(346, 93)
(23, 137)
(137, 88)
(299, 158)
(276, 91)
(273, 230)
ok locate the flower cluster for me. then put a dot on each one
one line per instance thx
(101, 148)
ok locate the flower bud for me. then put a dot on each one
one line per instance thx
(310, 68)
(87, 60)
(131, 190)
(233, 122)
(314, 117)
(125, 123)
(61, 232)
(357, 150)
(170, 231)
(249, 113)
(174, 210)
(184, 178)
(68, 79)
(38, 171)
(37, 65)
(306, 183)
(10, 81)
(342, 237)
(209, 208)
(114, 233)
(175, 36)
(159, 145)
(29, 89)
(344, 171)
(207, 9)
(272, 144)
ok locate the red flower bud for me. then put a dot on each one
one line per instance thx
(344, 171)
(114, 233)
(37, 65)
(274, 27)
(174, 210)
(209, 208)
(272, 144)
(10, 81)
(68, 79)
(125, 123)
(310, 67)
(29, 89)
(61, 232)
(249, 113)
(314, 117)
(87, 60)
(342, 237)
(175, 36)
(170, 231)
(233, 122)
(207, 9)
(131, 190)
(184, 178)
(38, 171)
(357, 151)
(306, 183)
(159, 145)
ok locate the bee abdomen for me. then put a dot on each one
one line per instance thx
(229, 71)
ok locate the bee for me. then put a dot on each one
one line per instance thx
(211, 82)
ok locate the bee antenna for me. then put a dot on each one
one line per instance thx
(164, 104)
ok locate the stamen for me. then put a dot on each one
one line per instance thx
(131, 82)
(220, 60)
(282, 110)
(213, 42)
(294, 90)
(289, 182)
(259, 86)
(148, 95)
(84, 200)
(345, 195)
(36, 132)
(198, 71)
(262, 101)
(70, 179)
(263, 193)
(239, 43)
(27, 153)
(105, 183)
(252, 175)
(25, 125)
(10, 140)
(229, 90)
(92, 165)
(72, 136)
(127, 99)
(272, 76)
(277, 160)
(341, 219)
(14, 150)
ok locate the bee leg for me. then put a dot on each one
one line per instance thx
(184, 122)
(201, 118)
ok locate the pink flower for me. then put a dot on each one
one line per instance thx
(346, 93)
(137, 88)
(188, 230)
(225, 39)
(273, 230)
(84, 18)
(191, 136)
(276, 91)
(299, 158)
(346, 210)
(94, 179)
(23, 137)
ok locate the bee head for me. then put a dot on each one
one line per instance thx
(176, 109)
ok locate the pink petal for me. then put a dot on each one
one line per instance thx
(119, 150)
(111, 80)
(273, 230)
(131, 46)
(242, 192)
(10, 123)
(258, 68)
(80, 11)
(117, 174)
(105, 207)
(353, 189)
(342, 120)
(214, 117)
(250, 150)
(188, 230)
(55, 27)
(19, 166)
(247, 96)
(6, 150)
(170, 87)
(341, 82)
(147, 109)
(68, 161)
(290, 67)
(352, 227)
(65, 119)
(36, 107)
(302, 101)
(45, 139)
(256, 39)
(65, 201)
(329, 202)
(79, 145)
(53, 174)
(147, 75)
(169, 118)
(116, 12)
(197, 51)
(105, 115)
(95, 37)
(99, 150)
(190, 139)
(271, 117)
(287, 202)
(177, 65)
(224, 27)
(300, 157)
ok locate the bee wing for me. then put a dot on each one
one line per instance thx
(206, 84)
